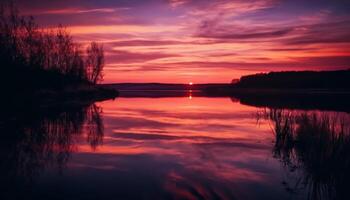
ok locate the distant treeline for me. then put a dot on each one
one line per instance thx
(297, 80)
(38, 57)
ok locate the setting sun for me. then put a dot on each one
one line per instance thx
(190, 83)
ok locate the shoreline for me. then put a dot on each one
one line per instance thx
(72, 95)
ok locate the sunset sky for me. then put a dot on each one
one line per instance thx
(182, 41)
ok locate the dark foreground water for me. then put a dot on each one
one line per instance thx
(175, 148)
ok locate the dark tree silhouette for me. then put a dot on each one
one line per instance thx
(95, 62)
(297, 80)
(26, 48)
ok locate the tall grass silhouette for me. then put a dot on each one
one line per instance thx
(315, 146)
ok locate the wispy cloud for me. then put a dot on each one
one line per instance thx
(233, 34)
(176, 3)
(79, 11)
(322, 33)
(117, 56)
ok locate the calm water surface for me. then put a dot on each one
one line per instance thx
(177, 148)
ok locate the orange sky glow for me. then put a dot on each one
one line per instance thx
(182, 41)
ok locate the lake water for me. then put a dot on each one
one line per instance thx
(176, 148)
